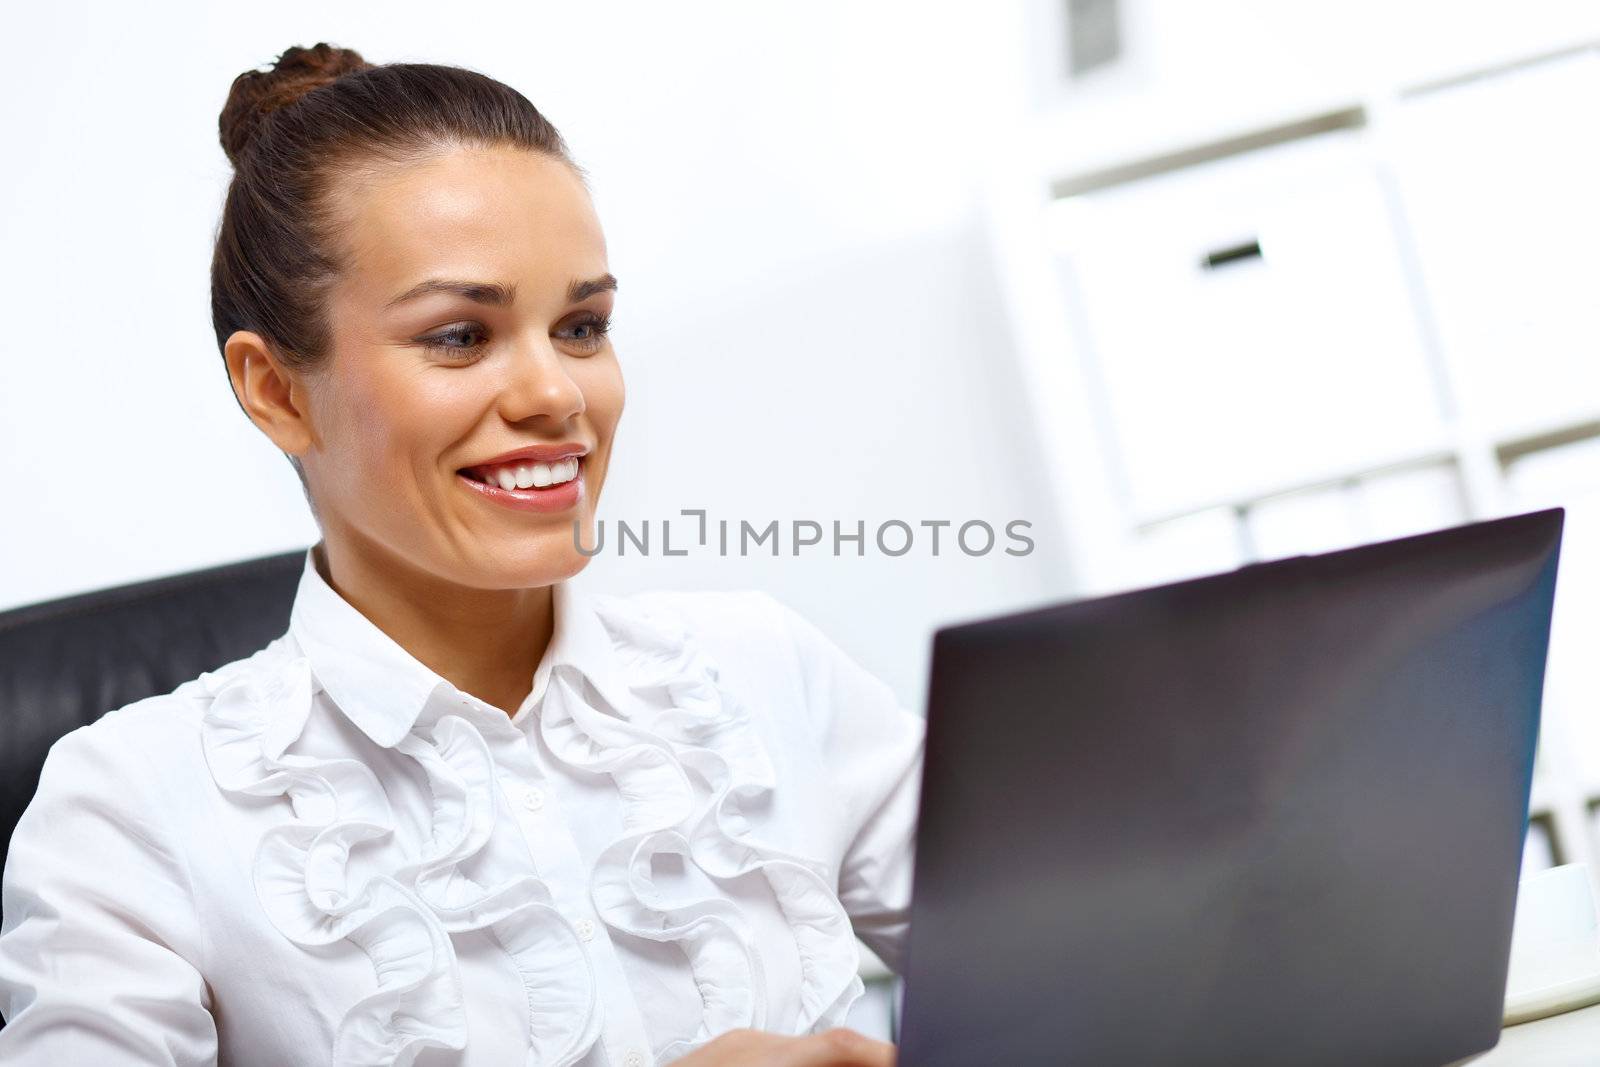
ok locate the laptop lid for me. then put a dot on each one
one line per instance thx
(1270, 816)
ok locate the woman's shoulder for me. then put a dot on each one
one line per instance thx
(148, 745)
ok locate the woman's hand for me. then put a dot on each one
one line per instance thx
(757, 1048)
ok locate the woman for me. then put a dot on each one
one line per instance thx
(461, 812)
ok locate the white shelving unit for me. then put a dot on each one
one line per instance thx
(1360, 319)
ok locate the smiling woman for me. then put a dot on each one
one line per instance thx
(460, 812)
(463, 283)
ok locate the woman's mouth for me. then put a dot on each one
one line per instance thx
(523, 486)
(512, 476)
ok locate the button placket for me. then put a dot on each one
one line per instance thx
(554, 854)
(533, 790)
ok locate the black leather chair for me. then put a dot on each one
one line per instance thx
(64, 663)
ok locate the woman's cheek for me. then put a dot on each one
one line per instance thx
(604, 394)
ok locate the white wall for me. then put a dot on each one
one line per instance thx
(808, 322)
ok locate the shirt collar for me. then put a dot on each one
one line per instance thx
(384, 690)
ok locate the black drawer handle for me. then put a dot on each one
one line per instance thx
(1221, 257)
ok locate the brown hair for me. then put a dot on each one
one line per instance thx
(290, 131)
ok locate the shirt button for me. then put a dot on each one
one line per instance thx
(585, 928)
(634, 1058)
(533, 800)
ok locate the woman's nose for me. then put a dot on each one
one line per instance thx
(538, 383)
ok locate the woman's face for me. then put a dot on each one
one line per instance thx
(469, 325)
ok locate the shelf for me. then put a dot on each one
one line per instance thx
(1101, 139)
(1400, 463)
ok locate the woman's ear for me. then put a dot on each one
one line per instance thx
(269, 392)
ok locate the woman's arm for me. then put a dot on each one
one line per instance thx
(99, 940)
(873, 748)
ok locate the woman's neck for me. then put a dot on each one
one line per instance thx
(485, 642)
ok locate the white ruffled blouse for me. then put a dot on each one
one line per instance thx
(325, 853)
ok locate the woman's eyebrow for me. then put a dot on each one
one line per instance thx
(496, 295)
(481, 292)
(583, 290)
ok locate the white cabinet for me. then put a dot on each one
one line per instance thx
(1250, 324)
(1501, 185)
(1356, 511)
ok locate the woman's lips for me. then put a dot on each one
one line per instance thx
(552, 498)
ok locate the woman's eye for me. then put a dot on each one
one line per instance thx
(468, 338)
(464, 339)
(588, 334)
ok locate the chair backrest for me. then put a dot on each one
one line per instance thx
(64, 663)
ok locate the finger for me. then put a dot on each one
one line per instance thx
(836, 1048)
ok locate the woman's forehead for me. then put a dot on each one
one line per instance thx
(495, 213)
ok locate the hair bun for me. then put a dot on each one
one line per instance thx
(256, 93)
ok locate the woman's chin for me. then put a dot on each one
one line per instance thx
(522, 568)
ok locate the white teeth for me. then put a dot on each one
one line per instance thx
(534, 475)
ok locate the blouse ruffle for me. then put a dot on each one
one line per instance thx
(689, 764)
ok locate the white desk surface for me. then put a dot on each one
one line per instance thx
(1571, 1039)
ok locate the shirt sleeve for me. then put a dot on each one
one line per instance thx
(99, 939)
(872, 746)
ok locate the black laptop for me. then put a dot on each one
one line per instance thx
(1269, 817)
